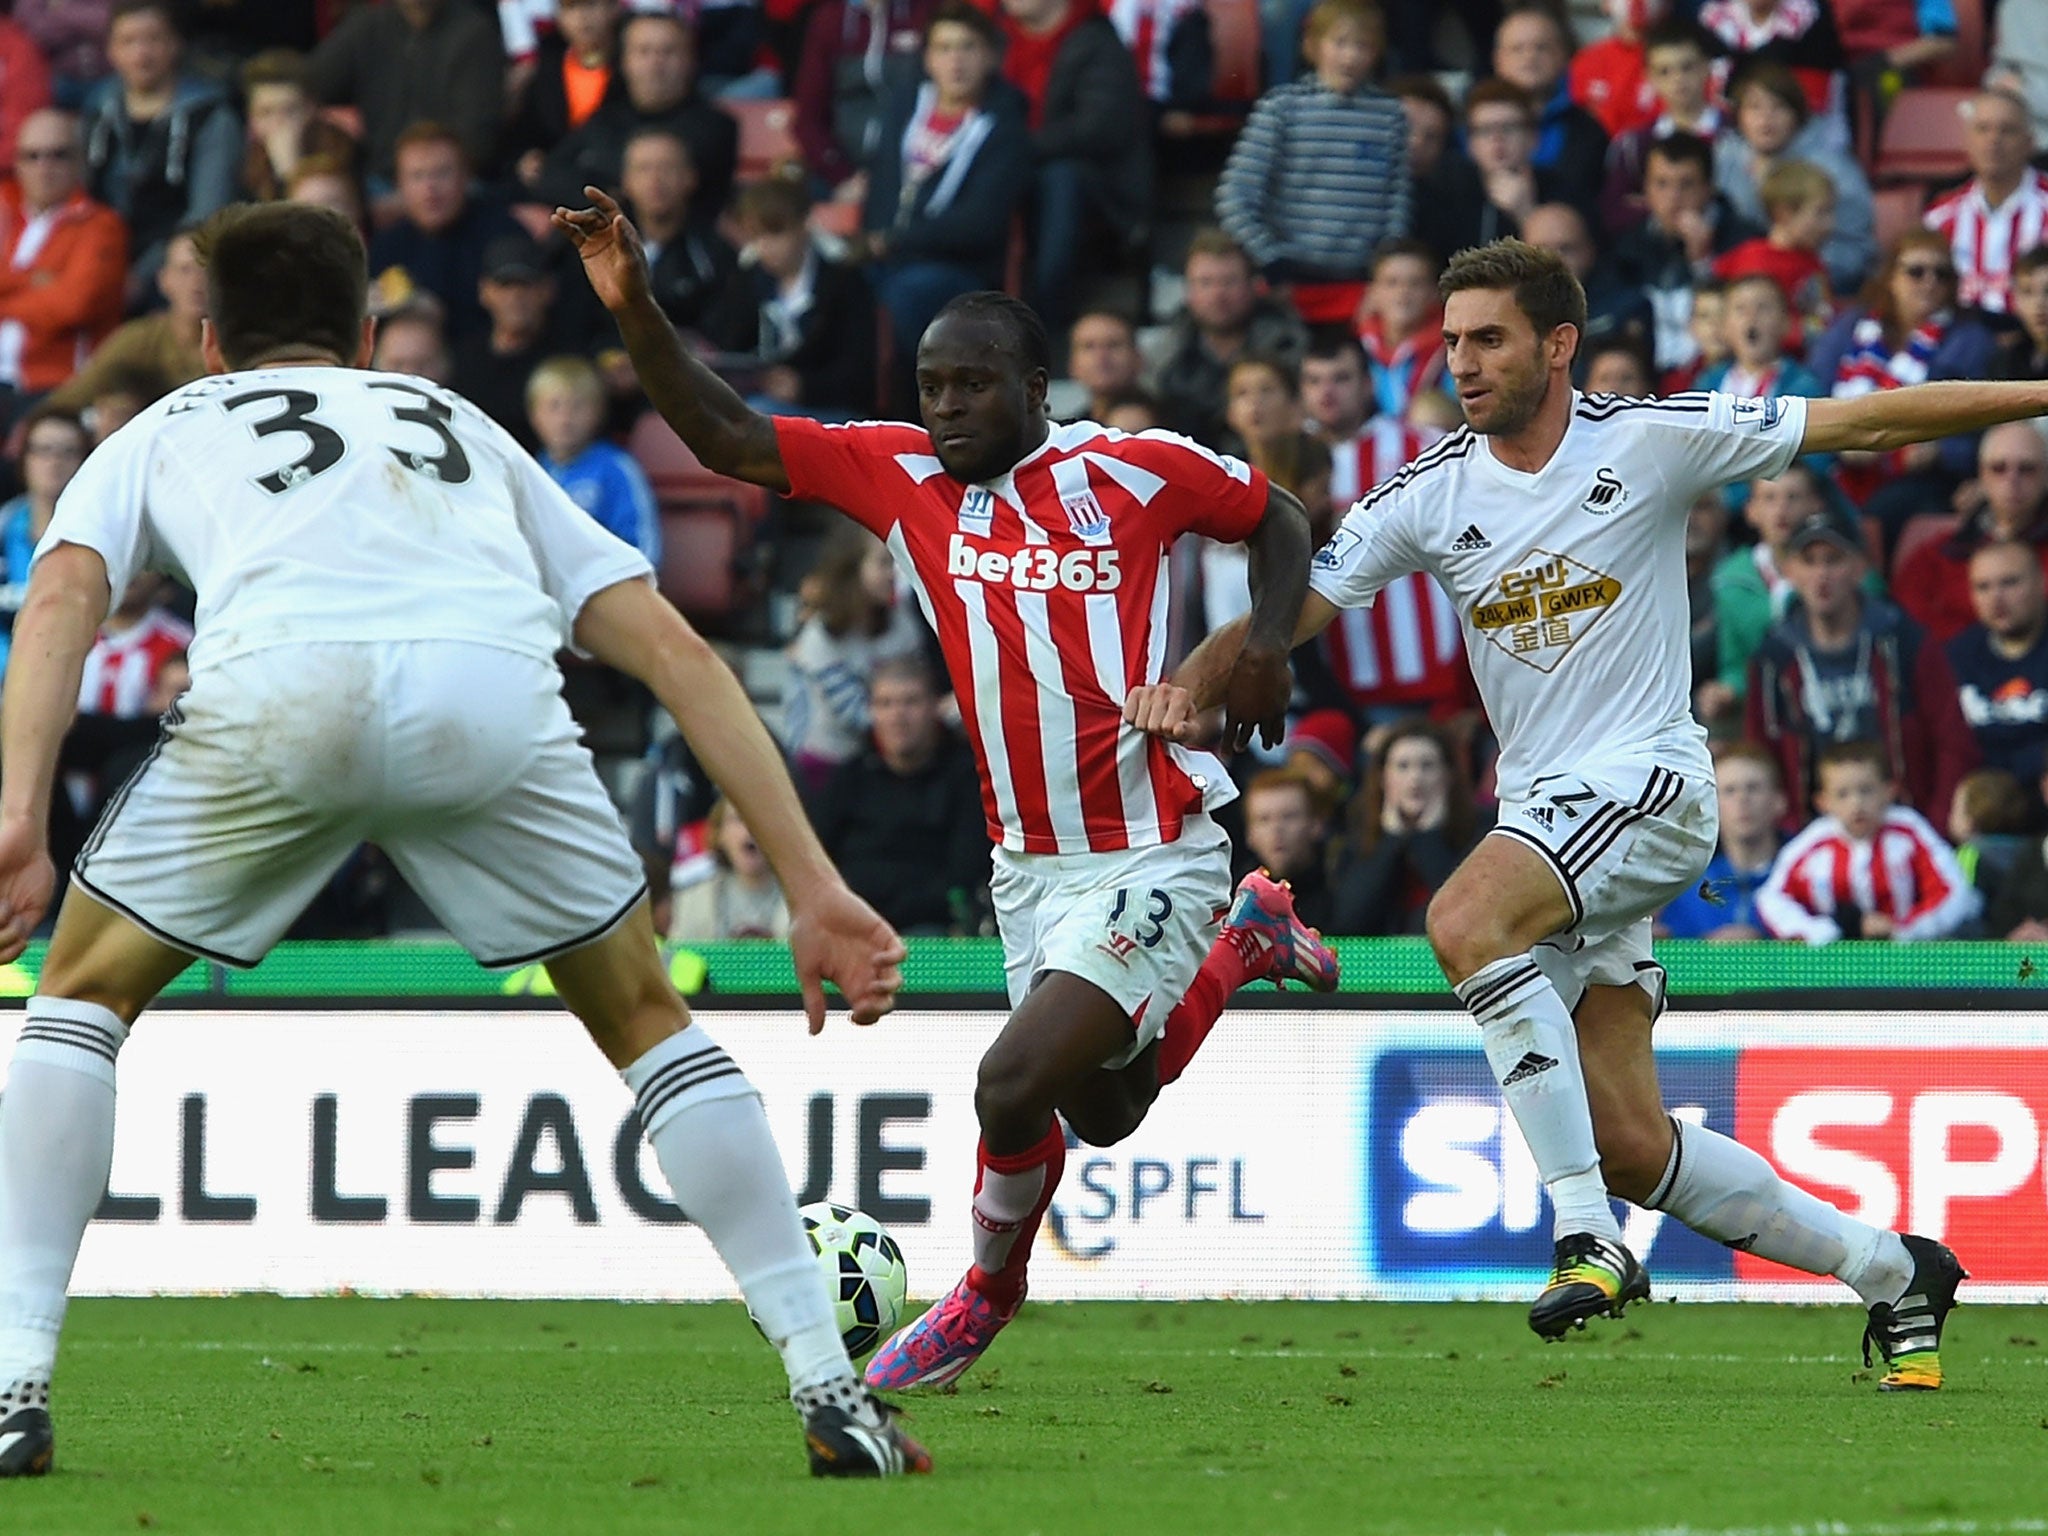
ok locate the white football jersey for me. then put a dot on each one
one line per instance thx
(322, 504)
(1569, 583)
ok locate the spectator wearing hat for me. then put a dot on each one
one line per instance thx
(491, 366)
(1323, 748)
(1842, 666)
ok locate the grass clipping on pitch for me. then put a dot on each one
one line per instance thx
(353, 1416)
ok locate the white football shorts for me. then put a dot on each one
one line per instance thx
(1138, 924)
(1623, 841)
(459, 760)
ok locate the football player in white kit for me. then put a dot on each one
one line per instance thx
(384, 578)
(1556, 523)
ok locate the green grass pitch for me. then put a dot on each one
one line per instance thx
(357, 1416)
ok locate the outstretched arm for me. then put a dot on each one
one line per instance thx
(727, 435)
(1257, 687)
(67, 598)
(1181, 708)
(833, 933)
(1897, 418)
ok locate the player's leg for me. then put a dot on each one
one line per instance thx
(57, 1145)
(1724, 1190)
(516, 848)
(1483, 923)
(1262, 939)
(711, 1138)
(1061, 1033)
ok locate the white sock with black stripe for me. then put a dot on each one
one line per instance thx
(56, 1147)
(1723, 1190)
(1534, 1052)
(710, 1135)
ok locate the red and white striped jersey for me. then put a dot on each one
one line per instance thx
(1986, 241)
(122, 669)
(1383, 445)
(1906, 872)
(1048, 588)
(1405, 649)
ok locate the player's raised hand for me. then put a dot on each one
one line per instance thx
(613, 258)
(1255, 698)
(835, 936)
(27, 877)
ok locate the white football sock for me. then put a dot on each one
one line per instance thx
(1723, 1190)
(711, 1138)
(56, 1147)
(1534, 1052)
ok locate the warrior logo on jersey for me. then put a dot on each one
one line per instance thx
(1545, 608)
(1084, 514)
(977, 510)
(1608, 495)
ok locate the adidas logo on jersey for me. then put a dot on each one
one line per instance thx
(1531, 1065)
(1470, 539)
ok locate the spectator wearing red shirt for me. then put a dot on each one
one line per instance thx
(63, 261)
(1091, 140)
(24, 83)
(1933, 582)
(1799, 34)
(1610, 78)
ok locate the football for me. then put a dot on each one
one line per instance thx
(864, 1269)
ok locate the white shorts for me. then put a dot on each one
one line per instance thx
(460, 761)
(1623, 842)
(1137, 924)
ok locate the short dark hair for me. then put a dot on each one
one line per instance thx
(47, 412)
(1333, 343)
(163, 10)
(1681, 32)
(277, 66)
(1404, 245)
(663, 131)
(1851, 754)
(1684, 149)
(1542, 284)
(961, 14)
(283, 276)
(777, 204)
(1211, 241)
(1770, 75)
(1027, 336)
(1423, 88)
(427, 131)
(1622, 344)
(2035, 260)
(1132, 397)
(1496, 93)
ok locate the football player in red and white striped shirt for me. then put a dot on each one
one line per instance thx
(135, 645)
(2001, 212)
(1865, 868)
(1039, 554)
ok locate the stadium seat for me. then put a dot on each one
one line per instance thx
(1234, 35)
(676, 474)
(1922, 137)
(701, 546)
(767, 136)
(1921, 530)
(1234, 81)
(1898, 210)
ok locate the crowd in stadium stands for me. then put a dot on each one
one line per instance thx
(1232, 213)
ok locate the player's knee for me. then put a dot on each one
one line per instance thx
(1102, 1124)
(1633, 1155)
(1465, 935)
(1010, 1097)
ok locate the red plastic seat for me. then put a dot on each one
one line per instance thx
(767, 136)
(1898, 210)
(1922, 138)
